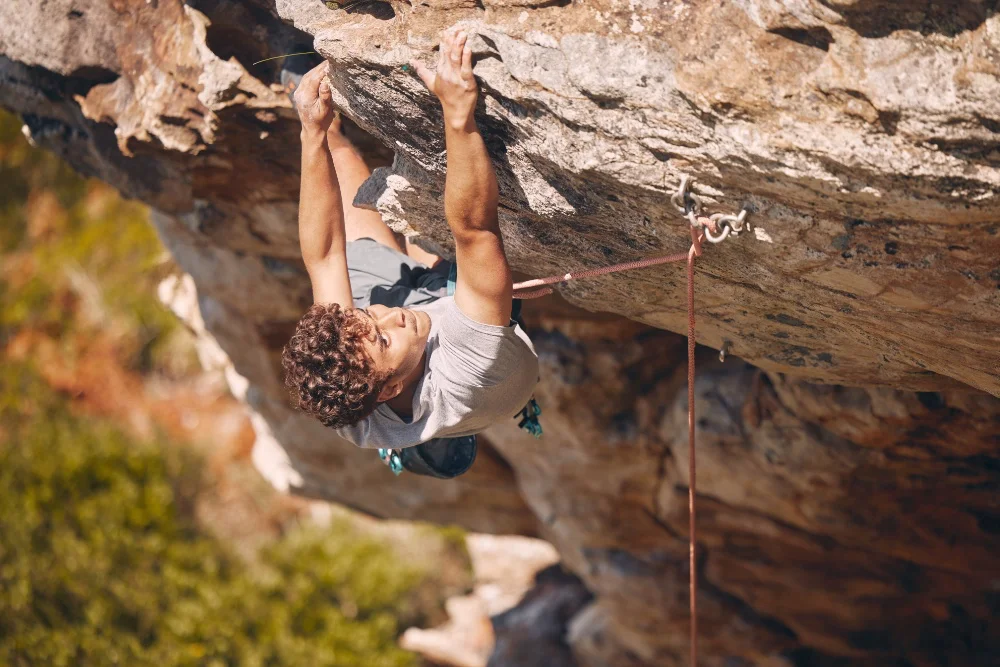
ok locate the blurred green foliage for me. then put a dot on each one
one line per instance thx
(101, 559)
(101, 562)
(66, 239)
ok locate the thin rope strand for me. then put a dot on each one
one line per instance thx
(692, 534)
(523, 290)
(287, 55)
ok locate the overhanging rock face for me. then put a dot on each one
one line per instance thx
(838, 524)
(867, 150)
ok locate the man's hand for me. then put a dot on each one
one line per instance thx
(453, 82)
(314, 102)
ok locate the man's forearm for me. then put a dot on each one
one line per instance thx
(470, 192)
(321, 214)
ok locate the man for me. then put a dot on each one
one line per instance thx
(426, 365)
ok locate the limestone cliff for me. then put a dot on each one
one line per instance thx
(849, 522)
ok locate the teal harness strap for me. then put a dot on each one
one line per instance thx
(529, 418)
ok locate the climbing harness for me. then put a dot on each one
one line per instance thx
(443, 458)
(447, 458)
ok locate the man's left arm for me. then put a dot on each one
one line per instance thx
(322, 237)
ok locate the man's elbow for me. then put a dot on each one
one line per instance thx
(473, 223)
(318, 265)
(318, 254)
(312, 258)
(472, 237)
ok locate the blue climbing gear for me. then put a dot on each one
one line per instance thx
(390, 457)
(529, 418)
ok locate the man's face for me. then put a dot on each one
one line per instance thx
(397, 340)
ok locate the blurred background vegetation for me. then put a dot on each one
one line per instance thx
(134, 530)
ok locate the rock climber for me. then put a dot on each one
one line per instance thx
(382, 355)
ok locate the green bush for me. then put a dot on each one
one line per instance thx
(101, 562)
(88, 243)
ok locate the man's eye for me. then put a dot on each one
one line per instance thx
(385, 341)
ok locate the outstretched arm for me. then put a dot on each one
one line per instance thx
(484, 288)
(321, 215)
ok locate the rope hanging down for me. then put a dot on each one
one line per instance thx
(715, 228)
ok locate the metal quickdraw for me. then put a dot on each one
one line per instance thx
(717, 227)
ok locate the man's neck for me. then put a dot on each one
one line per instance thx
(402, 403)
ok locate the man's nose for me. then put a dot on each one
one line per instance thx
(392, 316)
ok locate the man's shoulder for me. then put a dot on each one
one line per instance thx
(471, 358)
(459, 325)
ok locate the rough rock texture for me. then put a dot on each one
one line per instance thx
(534, 632)
(838, 525)
(868, 153)
(505, 569)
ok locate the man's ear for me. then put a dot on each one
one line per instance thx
(389, 391)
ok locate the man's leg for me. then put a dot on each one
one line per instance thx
(352, 171)
(413, 251)
(362, 223)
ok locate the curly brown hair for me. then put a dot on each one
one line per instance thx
(328, 371)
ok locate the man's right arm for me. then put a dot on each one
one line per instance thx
(321, 215)
(484, 288)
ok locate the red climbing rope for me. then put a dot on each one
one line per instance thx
(692, 532)
(716, 229)
(524, 290)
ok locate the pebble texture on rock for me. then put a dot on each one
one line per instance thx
(839, 524)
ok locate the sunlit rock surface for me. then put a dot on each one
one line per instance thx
(839, 524)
